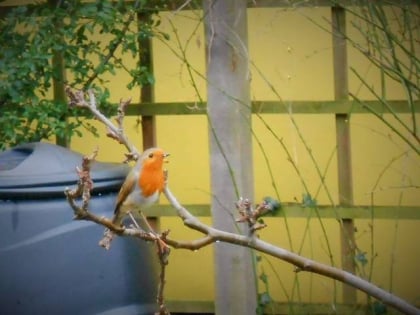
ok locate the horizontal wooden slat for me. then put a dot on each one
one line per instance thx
(207, 307)
(273, 107)
(171, 5)
(190, 307)
(297, 211)
(316, 3)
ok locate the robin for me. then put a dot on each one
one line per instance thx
(141, 187)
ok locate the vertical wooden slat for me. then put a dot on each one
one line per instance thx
(59, 92)
(230, 149)
(59, 78)
(345, 180)
(148, 123)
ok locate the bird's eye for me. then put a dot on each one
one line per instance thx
(150, 155)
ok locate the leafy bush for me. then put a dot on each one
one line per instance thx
(40, 41)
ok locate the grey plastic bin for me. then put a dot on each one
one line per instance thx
(51, 264)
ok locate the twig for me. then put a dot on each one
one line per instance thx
(163, 252)
(113, 48)
(211, 235)
(301, 263)
(85, 185)
(77, 98)
(250, 215)
(182, 6)
(387, 123)
(81, 212)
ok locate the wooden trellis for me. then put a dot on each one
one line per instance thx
(340, 107)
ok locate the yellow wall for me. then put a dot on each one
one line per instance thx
(295, 56)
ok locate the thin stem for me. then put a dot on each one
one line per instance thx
(389, 125)
(212, 129)
(301, 263)
(113, 48)
(396, 61)
(390, 71)
(394, 247)
(295, 166)
(385, 103)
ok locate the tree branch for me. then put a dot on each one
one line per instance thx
(211, 235)
(77, 98)
(81, 212)
(301, 263)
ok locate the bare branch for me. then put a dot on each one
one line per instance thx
(83, 189)
(77, 98)
(301, 263)
(84, 186)
(193, 245)
(211, 235)
(81, 212)
(250, 215)
(163, 252)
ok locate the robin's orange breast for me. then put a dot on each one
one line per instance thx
(151, 181)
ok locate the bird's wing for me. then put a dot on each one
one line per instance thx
(126, 188)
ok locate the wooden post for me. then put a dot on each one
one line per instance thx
(148, 123)
(59, 79)
(345, 180)
(229, 114)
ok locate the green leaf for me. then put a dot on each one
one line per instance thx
(26, 71)
(361, 258)
(272, 204)
(263, 277)
(379, 308)
(264, 298)
(308, 201)
(165, 36)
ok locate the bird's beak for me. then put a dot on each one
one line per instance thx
(165, 157)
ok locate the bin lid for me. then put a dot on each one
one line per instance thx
(44, 170)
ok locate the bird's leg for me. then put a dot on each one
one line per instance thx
(133, 219)
(162, 246)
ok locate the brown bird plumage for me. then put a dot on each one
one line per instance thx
(142, 185)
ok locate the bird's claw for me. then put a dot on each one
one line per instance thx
(162, 247)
